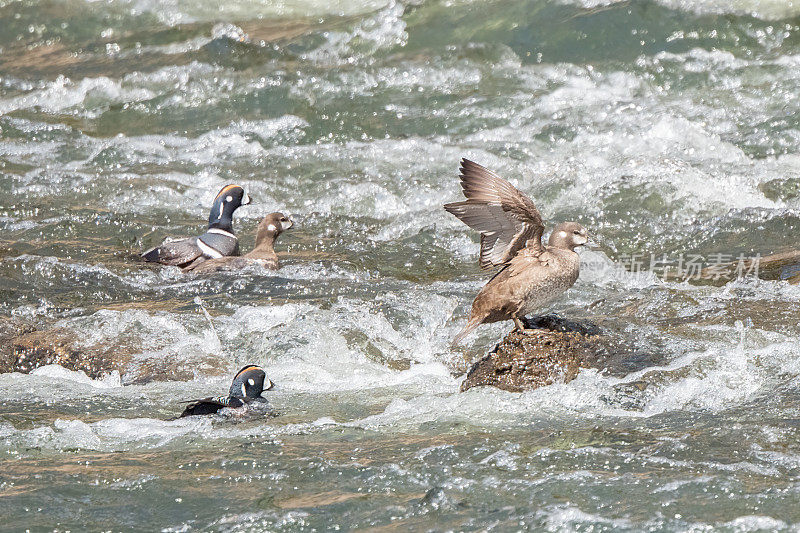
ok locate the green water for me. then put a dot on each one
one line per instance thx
(665, 127)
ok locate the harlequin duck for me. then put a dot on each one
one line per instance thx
(511, 228)
(217, 241)
(264, 252)
(246, 388)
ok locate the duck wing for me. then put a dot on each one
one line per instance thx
(505, 217)
(177, 252)
(207, 406)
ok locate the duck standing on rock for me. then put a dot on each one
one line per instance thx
(218, 240)
(511, 228)
(264, 252)
(246, 388)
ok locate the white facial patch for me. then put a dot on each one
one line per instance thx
(229, 198)
(271, 227)
(562, 234)
(244, 390)
(251, 382)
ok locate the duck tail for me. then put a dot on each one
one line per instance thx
(471, 325)
(151, 255)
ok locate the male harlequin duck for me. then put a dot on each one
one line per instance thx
(264, 252)
(511, 229)
(246, 388)
(217, 241)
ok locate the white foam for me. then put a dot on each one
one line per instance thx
(764, 9)
(113, 434)
(597, 268)
(567, 517)
(109, 380)
(347, 346)
(385, 28)
(755, 523)
(89, 94)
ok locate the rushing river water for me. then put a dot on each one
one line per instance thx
(666, 127)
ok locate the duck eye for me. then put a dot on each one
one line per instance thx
(283, 219)
(576, 232)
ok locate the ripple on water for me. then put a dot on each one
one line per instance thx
(666, 127)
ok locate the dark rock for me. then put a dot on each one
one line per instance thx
(554, 350)
(557, 323)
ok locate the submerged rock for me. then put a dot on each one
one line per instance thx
(784, 265)
(555, 350)
(33, 349)
(24, 347)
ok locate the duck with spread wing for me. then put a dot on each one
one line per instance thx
(531, 274)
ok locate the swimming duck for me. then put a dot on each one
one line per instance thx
(247, 386)
(218, 240)
(264, 252)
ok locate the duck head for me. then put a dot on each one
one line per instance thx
(568, 236)
(228, 200)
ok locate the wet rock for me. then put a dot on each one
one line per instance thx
(555, 350)
(24, 348)
(436, 499)
(10, 328)
(557, 323)
(784, 265)
(32, 349)
(171, 368)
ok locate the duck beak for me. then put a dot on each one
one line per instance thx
(245, 199)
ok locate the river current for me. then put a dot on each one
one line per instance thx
(669, 128)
